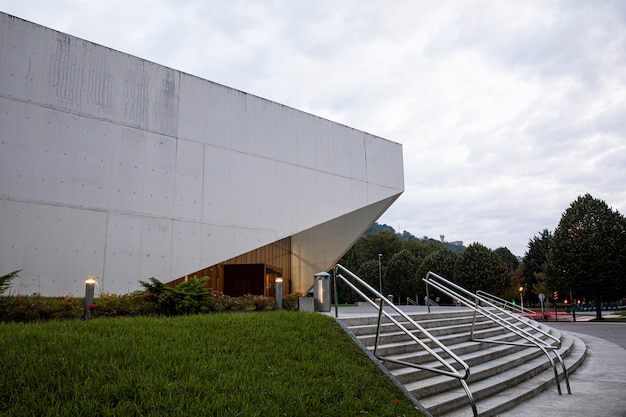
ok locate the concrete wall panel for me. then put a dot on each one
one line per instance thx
(63, 246)
(18, 140)
(122, 266)
(319, 248)
(189, 178)
(170, 173)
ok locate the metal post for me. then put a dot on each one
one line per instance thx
(380, 275)
(335, 291)
(90, 283)
(556, 313)
(571, 300)
(279, 293)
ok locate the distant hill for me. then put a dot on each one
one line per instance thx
(456, 247)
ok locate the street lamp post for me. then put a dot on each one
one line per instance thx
(521, 297)
(380, 275)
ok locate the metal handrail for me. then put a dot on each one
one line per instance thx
(449, 370)
(506, 304)
(411, 302)
(511, 322)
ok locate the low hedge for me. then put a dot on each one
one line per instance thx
(190, 297)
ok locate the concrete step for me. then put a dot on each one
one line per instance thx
(492, 402)
(502, 375)
(490, 376)
(399, 336)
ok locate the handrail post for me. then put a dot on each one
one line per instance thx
(335, 289)
(380, 315)
(427, 296)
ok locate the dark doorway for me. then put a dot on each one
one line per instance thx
(256, 279)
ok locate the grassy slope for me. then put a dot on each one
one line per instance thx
(262, 364)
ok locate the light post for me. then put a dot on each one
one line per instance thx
(573, 305)
(380, 274)
(521, 297)
(90, 283)
(279, 293)
(542, 298)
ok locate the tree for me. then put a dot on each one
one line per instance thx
(385, 243)
(479, 268)
(420, 248)
(588, 252)
(441, 262)
(367, 271)
(508, 258)
(535, 258)
(399, 278)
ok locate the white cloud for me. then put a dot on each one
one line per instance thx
(507, 111)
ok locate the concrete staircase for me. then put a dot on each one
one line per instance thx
(502, 376)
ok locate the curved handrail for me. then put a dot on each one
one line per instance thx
(506, 304)
(449, 370)
(522, 311)
(465, 297)
(411, 302)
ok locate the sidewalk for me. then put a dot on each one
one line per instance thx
(598, 386)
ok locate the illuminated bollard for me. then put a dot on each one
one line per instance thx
(321, 295)
(90, 284)
(279, 293)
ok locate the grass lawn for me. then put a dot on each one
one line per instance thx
(258, 364)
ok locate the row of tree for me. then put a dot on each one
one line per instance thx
(585, 256)
(404, 260)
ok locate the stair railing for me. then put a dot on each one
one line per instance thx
(506, 319)
(506, 304)
(447, 368)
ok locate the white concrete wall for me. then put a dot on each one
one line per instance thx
(117, 167)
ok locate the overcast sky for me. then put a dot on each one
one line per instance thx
(506, 110)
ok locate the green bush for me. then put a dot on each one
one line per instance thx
(5, 280)
(133, 304)
(190, 297)
(29, 308)
(290, 301)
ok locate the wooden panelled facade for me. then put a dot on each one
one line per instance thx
(276, 261)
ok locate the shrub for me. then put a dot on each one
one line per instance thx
(133, 304)
(29, 308)
(5, 280)
(264, 303)
(190, 297)
(290, 301)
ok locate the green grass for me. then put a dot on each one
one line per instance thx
(260, 364)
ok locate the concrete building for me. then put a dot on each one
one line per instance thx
(119, 168)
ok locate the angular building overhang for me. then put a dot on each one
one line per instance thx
(117, 167)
